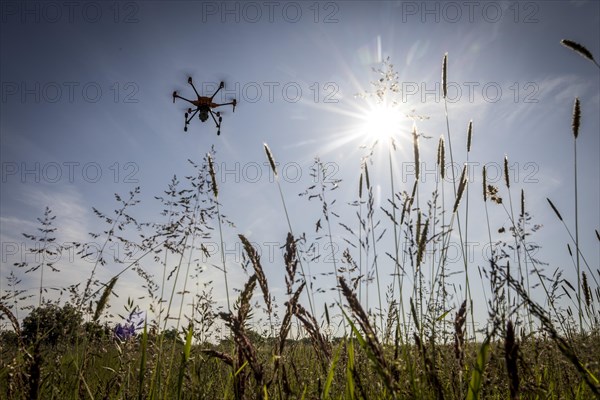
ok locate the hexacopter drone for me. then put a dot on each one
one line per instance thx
(204, 106)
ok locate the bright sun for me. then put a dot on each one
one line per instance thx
(383, 122)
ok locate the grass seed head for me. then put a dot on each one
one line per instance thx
(484, 184)
(211, 171)
(360, 186)
(422, 244)
(587, 293)
(469, 135)
(554, 208)
(441, 157)
(260, 274)
(271, 159)
(461, 188)
(578, 48)
(445, 75)
(416, 151)
(459, 333)
(506, 174)
(576, 117)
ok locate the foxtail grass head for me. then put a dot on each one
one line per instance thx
(578, 48)
(461, 188)
(506, 174)
(554, 208)
(416, 151)
(360, 186)
(484, 184)
(469, 135)
(367, 176)
(441, 157)
(576, 117)
(271, 159)
(444, 76)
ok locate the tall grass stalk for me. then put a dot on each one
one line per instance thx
(460, 235)
(328, 221)
(360, 235)
(195, 224)
(523, 218)
(398, 270)
(310, 294)
(514, 228)
(575, 126)
(215, 190)
(573, 240)
(370, 214)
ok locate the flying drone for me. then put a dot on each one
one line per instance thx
(204, 106)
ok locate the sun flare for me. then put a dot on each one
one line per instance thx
(383, 122)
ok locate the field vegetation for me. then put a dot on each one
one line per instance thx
(417, 337)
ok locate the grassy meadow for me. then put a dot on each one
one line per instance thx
(417, 338)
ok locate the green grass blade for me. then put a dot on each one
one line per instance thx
(184, 360)
(477, 375)
(350, 389)
(330, 374)
(364, 345)
(143, 348)
(241, 368)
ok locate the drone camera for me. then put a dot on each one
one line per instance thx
(203, 115)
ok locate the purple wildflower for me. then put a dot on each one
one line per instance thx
(127, 330)
(124, 332)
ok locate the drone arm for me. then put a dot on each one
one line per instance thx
(193, 87)
(231, 103)
(175, 95)
(221, 86)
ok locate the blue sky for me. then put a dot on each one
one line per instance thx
(87, 112)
